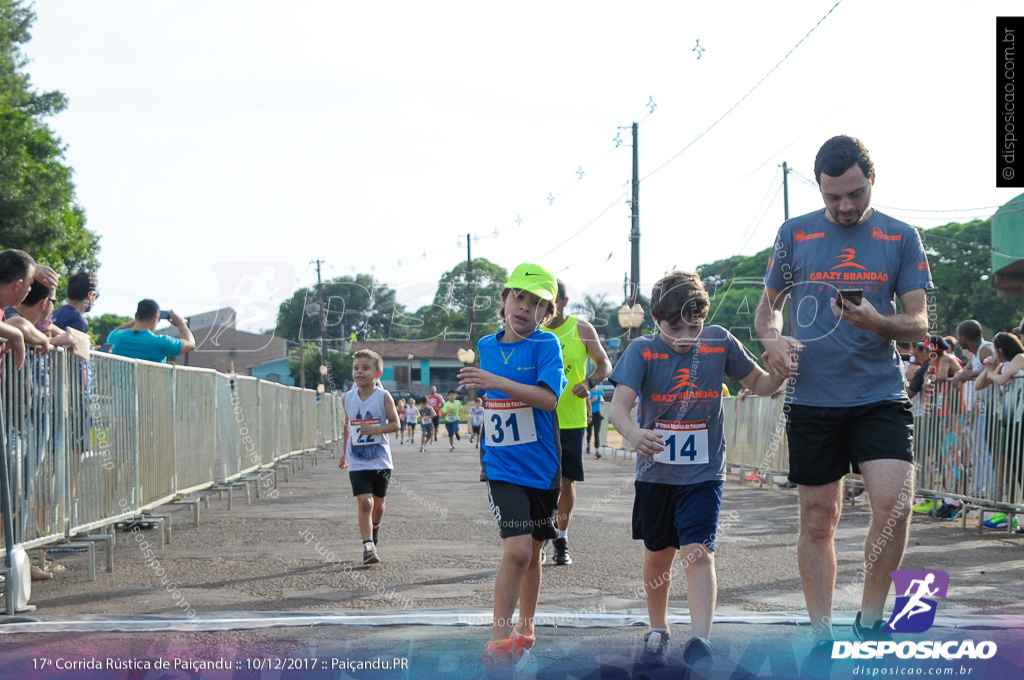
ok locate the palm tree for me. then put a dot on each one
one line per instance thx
(599, 311)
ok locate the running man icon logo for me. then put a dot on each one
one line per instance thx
(915, 610)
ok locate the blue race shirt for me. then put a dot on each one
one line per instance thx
(681, 396)
(812, 259)
(520, 443)
(145, 345)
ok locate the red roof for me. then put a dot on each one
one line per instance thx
(420, 349)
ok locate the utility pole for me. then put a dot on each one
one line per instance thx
(469, 291)
(785, 189)
(323, 322)
(634, 232)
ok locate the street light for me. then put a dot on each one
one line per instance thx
(409, 359)
(630, 318)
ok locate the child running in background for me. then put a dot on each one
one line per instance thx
(521, 372)
(400, 409)
(681, 452)
(476, 420)
(427, 414)
(410, 415)
(370, 416)
(451, 412)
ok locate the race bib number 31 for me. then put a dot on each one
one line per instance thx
(686, 443)
(508, 422)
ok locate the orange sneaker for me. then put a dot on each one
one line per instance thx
(499, 660)
(522, 644)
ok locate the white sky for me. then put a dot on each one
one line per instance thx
(219, 147)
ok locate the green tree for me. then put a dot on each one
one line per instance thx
(38, 209)
(101, 326)
(358, 305)
(599, 311)
(339, 366)
(960, 256)
(446, 317)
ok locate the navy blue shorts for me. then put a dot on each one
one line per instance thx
(671, 515)
(452, 428)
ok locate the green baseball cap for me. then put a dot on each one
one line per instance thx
(534, 279)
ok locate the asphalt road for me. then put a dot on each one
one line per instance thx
(219, 590)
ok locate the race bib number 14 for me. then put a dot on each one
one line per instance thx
(508, 422)
(686, 443)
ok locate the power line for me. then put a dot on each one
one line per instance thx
(749, 92)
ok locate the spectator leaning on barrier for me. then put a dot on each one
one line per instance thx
(82, 294)
(17, 271)
(137, 340)
(32, 318)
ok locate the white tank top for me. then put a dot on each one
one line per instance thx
(364, 451)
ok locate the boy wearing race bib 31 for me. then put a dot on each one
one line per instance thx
(370, 415)
(680, 468)
(521, 372)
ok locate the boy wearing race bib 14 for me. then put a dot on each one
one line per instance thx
(680, 468)
(521, 372)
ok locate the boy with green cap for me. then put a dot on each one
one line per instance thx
(521, 372)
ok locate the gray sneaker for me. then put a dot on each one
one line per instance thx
(655, 649)
(370, 556)
(874, 632)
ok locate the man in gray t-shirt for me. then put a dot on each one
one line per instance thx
(846, 407)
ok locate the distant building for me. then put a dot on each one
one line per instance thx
(222, 347)
(432, 363)
(275, 370)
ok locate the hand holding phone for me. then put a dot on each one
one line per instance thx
(163, 315)
(854, 295)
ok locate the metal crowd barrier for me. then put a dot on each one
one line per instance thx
(87, 444)
(968, 444)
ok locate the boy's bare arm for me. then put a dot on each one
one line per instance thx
(538, 396)
(646, 442)
(391, 425)
(763, 384)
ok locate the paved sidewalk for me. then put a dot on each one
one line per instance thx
(300, 553)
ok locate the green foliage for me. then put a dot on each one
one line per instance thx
(960, 256)
(339, 365)
(38, 209)
(357, 305)
(101, 326)
(446, 317)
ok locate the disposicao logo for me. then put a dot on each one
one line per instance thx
(915, 609)
(915, 613)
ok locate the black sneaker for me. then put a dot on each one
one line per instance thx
(818, 663)
(696, 649)
(561, 555)
(655, 649)
(875, 632)
(376, 534)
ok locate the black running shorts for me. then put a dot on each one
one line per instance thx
(826, 443)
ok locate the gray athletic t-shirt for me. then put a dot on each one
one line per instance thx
(681, 395)
(812, 259)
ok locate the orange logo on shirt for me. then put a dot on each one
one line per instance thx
(847, 256)
(923, 265)
(800, 236)
(879, 235)
(704, 349)
(682, 380)
(648, 355)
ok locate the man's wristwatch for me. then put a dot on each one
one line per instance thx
(590, 383)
